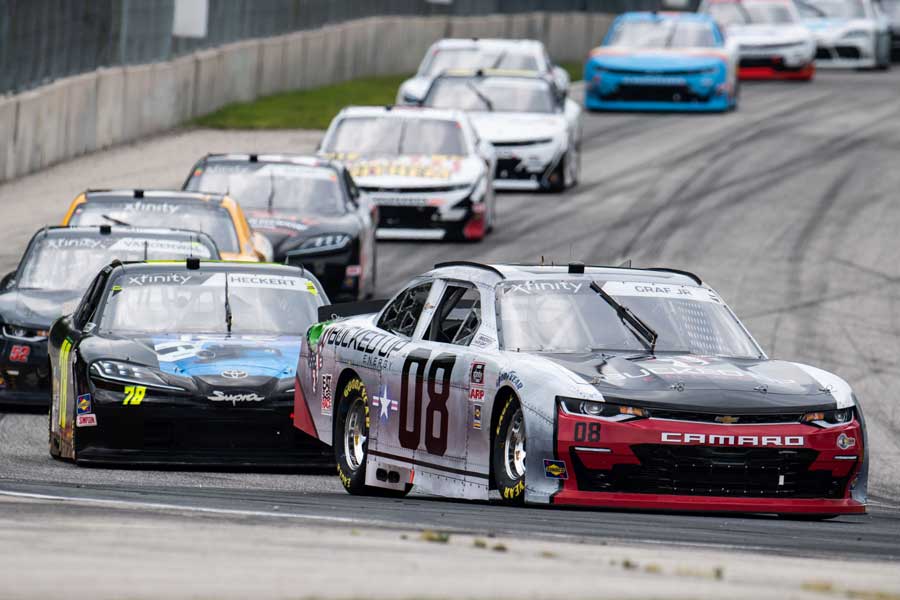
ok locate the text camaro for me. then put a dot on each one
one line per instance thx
(589, 386)
(183, 363)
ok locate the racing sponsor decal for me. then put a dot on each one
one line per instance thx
(476, 393)
(384, 404)
(164, 208)
(86, 420)
(482, 341)
(377, 348)
(158, 278)
(234, 399)
(272, 223)
(512, 377)
(476, 416)
(536, 287)
(70, 243)
(134, 395)
(656, 290)
(476, 375)
(845, 442)
(83, 404)
(433, 167)
(555, 469)
(327, 400)
(274, 282)
(715, 439)
(19, 353)
(175, 247)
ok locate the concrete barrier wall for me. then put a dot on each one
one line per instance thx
(111, 106)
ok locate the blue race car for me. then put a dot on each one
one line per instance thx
(662, 62)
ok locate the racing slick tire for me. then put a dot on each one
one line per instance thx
(556, 182)
(351, 427)
(508, 452)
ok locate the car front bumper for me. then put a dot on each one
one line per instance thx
(758, 66)
(845, 54)
(662, 464)
(24, 382)
(636, 93)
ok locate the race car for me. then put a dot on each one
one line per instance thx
(184, 363)
(452, 53)
(772, 42)
(662, 62)
(55, 270)
(310, 210)
(891, 10)
(849, 33)
(534, 128)
(215, 214)
(425, 170)
(590, 386)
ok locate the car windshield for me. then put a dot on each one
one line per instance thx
(832, 9)
(296, 189)
(892, 10)
(443, 59)
(194, 302)
(663, 33)
(70, 263)
(568, 316)
(211, 219)
(752, 13)
(395, 136)
(505, 94)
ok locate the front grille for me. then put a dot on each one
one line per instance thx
(823, 54)
(701, 417)
(847, 51)
(761, 61)
(406, 216)
(508, 168)
(654, 93)
(435, 189)
(521, 143)
(714, 471)
(673, 73)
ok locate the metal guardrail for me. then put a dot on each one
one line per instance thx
(43, 40)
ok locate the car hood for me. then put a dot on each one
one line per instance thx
(659, 61)
(287, 231)
(761, 35)
(414, 171)
(834, 27)
(37, 308)
(500, 127)
(690, 382)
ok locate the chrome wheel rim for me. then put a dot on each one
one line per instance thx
(355, 434)
(514, 447)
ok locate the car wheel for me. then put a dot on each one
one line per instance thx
(508, 453)
(556, 182)
(351, 440)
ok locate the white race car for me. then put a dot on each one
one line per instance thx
(535, 130)
(426, 170)
(849, 33)
(772, 41)
(446, 54)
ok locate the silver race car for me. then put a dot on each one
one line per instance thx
(849, 33)
(426, 170)
(535, 129)
(447, 54)
(597, 386)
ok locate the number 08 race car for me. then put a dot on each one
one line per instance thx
(590, 386)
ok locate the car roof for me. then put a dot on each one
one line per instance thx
(157, 266)
(118, 231)
(274, 158)
(638, 16)
(499, 43)
(409, 112)
(496, 273)
(517, 73)
(152, 195)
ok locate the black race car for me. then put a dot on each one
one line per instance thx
(310, 210)
(56, 268)
(186, 362)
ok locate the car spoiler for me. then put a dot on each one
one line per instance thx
(350, 309)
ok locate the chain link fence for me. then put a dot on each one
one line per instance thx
(43, 40)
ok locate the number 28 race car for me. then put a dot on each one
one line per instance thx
(184, 362)
(598, 386)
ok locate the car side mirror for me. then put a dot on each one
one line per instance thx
(8, 280)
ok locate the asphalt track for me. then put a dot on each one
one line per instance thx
(789, 207)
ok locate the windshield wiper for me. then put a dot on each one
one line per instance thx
(639, 328)
(116, 221)
(500, 58)
(481, 96)
(271, 201)
(227, 306)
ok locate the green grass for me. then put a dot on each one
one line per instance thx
(575, 69)
(305, 109)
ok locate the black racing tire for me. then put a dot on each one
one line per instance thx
(560, 172)
(352, 411)
(509, 480)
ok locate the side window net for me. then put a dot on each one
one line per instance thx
(401, 315)
(458, 316)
